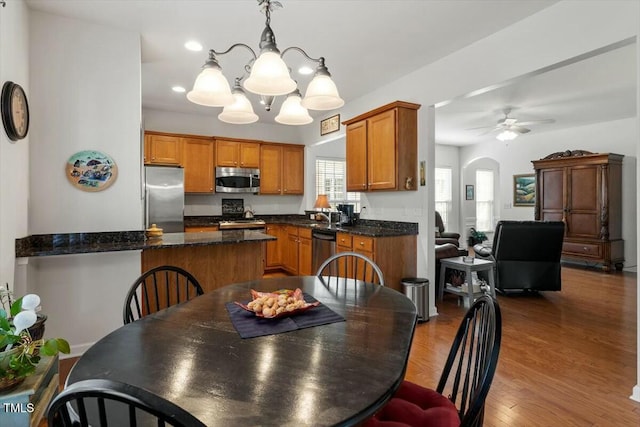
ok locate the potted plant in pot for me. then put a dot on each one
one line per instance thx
(476, 237)
(19, 351)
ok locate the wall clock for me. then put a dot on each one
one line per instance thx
(15, 110)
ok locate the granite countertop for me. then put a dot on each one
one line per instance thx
(372, 228)
(81, 243)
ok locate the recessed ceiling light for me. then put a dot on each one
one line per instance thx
(305, 70)
(178, 89)
(193, 46)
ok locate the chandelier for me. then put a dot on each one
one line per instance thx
(268, 76)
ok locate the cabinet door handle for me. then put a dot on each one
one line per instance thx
(285, 190)
(361, 243)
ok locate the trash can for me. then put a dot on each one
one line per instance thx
(417, 290)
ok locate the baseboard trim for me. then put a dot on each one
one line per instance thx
(636, 393)
(77, 350)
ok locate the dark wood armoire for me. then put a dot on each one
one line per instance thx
(584, 190)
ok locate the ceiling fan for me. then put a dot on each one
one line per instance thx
(509, 128)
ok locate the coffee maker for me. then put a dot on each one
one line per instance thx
(347, 216)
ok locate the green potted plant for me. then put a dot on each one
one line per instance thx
(476, 237)
(19, 351)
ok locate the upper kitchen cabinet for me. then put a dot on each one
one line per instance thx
(235, 153)
(162, 149)
(198, 163)
(382, 149)
(282, 169)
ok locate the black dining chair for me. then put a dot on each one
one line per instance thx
(157, 289)
(464, 384)
(351, 265)
(99, 402)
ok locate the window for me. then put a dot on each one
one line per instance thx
(443, 194)
(484, 200)
(331, 180)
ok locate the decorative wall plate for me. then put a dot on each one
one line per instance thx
(91, 170)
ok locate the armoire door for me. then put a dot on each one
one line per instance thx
(583, 206)
(552, 194)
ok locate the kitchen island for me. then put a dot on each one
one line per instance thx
(214, 258)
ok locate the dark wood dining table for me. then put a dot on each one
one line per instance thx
(333, 374)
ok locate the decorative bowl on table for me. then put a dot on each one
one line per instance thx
(282, 303)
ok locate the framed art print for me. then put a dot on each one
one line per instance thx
(524, 190)
(332, 124)
(468, 191)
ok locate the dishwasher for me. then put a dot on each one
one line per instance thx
(324, 246)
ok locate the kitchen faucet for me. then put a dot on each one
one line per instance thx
(322, 215)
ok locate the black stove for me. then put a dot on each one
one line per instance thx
(232, 216)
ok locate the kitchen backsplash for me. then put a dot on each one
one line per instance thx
(211, 205)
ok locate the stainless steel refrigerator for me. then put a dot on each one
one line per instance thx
(164, 198)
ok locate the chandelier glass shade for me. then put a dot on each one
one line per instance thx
(211, 89)
(269, 77)
(241, 111)
(292, 112)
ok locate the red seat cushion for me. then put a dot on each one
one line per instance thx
(414, 405)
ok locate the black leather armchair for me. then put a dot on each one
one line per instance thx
(443, 237)
(526, 255)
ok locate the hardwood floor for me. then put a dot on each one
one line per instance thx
(567, 358)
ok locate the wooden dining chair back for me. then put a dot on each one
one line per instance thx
(464, 383)
(101, 403)
(351, 265)
(473, 358)
(157, 289)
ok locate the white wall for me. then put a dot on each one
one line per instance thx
(85, 83)
(14, 156)
(85, 94)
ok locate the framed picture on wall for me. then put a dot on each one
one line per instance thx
(468, 191)
(332, 124)
(524, 190)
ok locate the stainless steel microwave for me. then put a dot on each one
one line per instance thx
(237, 180)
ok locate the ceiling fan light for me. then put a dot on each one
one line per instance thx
(507, 135)
(322, 94)
(240, 112)
(292, 112)
(270, 76)
(211, 89)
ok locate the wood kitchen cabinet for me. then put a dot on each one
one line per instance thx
(162, 149)
(198, 163)
(297, 251)
(275, 248)
(382, 149)
(290, 252)
(237, 153)
(282, 169)
(395, 255)
(584, 190)
(305, 252)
